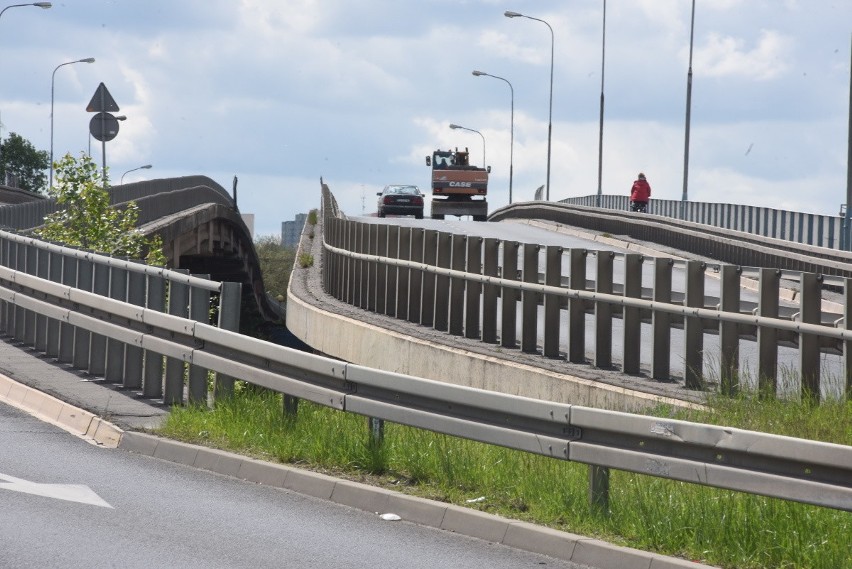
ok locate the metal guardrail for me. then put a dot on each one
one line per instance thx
(460, 285)
(782, 467)
(799, 227)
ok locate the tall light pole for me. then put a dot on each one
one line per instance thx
(145, 167)
(509, 14)
(600, 135)
(52, 83)
(685, 196)
(511, 128)
(455, 126)
(44, 5)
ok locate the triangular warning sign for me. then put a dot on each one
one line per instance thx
(102, 101)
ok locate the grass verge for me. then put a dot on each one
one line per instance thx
(729, 529)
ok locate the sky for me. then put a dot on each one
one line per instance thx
(281, 93)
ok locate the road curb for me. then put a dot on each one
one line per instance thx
(47, 408)
(421, 511)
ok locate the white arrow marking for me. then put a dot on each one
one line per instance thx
(69, 492)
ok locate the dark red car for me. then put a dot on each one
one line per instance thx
(399, 199)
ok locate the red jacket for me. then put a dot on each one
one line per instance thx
(641, 191)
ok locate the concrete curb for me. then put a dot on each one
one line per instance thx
(47, 408)
(448, 517)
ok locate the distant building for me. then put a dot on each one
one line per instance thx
(291, 231)
(248, 219)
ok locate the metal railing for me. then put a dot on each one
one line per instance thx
(799, 227)
(472, 287)
(782, 467)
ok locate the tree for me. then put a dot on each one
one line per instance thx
(87, 219)
(20, 158)
(276, 263)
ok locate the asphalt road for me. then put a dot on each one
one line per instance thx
(67, 503)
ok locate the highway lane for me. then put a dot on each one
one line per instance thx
(67, 503)
(832, 385)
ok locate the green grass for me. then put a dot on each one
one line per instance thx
(730, 529)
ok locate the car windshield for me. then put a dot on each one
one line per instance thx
(409, 190)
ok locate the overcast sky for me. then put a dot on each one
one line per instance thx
(283, 92)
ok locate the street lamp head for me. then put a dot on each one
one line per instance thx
(44, 5)
(455, 126)
(86, 60)
(509, 14)
(146, 167)
(478, 73)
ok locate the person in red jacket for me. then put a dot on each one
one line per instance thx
(640, 193)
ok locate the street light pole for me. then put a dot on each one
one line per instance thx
(600, 135)
(52, 83)
(44, 5)
(455, 126)
(685, 197)
(509, 14)
(511, 128)
(145, 167)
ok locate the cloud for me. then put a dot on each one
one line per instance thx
(723, 56)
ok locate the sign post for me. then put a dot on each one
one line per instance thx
(103, 126)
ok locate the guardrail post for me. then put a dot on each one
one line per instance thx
(372, 266)
(810, 303)
(403, 274)
(473, 290)
(31, 269)
(290, 405)
(20, 313)
(199, 310)
(152, 383)
(660, 321)
(415, 284)
(632, 318)
(577, 308)
(490, 268)
(97, 342)
(509, 308)
(115, 349)
(230, 299)
(381, 270)
(430, 258)
(43, 271)
(392, 271)
(552, 302)
(331, 265)
(351, 264)
(178, 306)
(767, 337)
(729, 335)
(442, 283)
(4, 306)
(599, 488)
(365, 266)
(52, 339)
(603, 310)
(66, 330)
(359, 296)
(847, 345)
(377, 431)
(80, 359)
(133, 362)
(529, 302)
(693, 327)
(457, 285)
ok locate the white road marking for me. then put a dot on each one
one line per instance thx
(70, 492)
